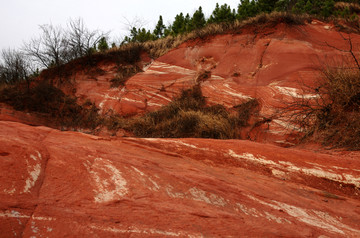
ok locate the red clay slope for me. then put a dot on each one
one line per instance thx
(67, 184)
(267, 63)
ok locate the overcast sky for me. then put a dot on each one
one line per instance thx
(20, 19)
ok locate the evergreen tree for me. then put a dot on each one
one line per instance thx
(282, 5)
(299, 7)
(178, 25)
(308, 8)
(144, 35)
(159, 29)
(266, 5)
(247, 9)
(328, 8)
(103, 45)
(222, 14)
(139, 35)
(198, 19)
(187, 23)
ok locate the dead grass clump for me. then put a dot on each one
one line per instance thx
(351, 7)
(245, 111)
(338, 120)
(188, 116)
(50, 102)
(161, 46)
(128, 54)
(123, 74)
(261, 20)
(276, 18)
(333, 116)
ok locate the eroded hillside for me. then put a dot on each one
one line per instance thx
(273, 63)
(62, 183)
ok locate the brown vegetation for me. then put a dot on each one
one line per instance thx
(50, 102)
(332, 117)
(188, 116)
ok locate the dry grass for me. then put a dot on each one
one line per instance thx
(333, 117)
(123, 74)
(188, 116)
(160, 47)
(50, 102)
(353, 7)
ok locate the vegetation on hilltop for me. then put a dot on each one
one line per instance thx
(184, 23)
(57, 46)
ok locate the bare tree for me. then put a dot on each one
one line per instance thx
(81, 40)
(50, 49)
(14, 67)
(57, 46)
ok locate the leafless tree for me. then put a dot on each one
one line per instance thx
(57, 45)
(50, 49)
(14, 67)
(81, 40)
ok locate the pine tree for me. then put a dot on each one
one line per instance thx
(247, 9)
(144, 35)
(103, 45)
(299, 7)
(198, 19)
(178, 25)
(222, 14)
(328, 8)
(159, 29)
(266, 5)
(308, 8)
(282, 5)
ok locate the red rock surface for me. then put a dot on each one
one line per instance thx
(68, 184)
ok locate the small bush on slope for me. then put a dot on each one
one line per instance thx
(51, 103)
(333, 117)
(188, 116)
(338, 121)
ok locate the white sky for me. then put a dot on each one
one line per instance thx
(20, 19)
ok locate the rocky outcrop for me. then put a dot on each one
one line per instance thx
(58, 184)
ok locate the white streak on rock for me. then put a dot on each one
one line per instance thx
(294, 92)
(311, 217)
(251, 157)
(10, 191)
(232, 92)
(171, 68)
(289, 167)
(34, 171)
(144, 231)
(138, 171)
(197, 194)
(169, 191)
(151, 71)
(156, 186)
(109, 183)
